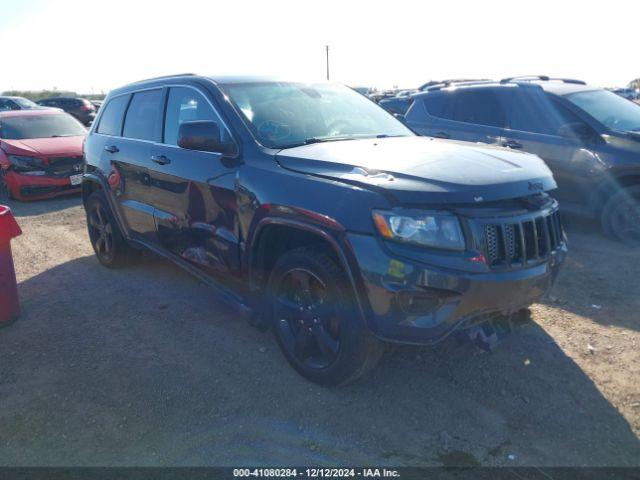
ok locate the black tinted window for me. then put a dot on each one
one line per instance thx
(186, 105)
(528, 111)
(480, 107)
(111, 120)
(142, 115)
(438, 104)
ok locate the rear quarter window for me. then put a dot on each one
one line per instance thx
(437, 105)
(111, 119)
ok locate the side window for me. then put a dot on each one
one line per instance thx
(142, 116)
(4, 105)
(439, 104)
(528, 111)
(111, 119)
(186, 105)
(562, 114)
(480, 106)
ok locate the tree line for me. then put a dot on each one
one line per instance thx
(36, 95)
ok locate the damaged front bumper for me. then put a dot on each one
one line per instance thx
(36, 187)
(422, 301)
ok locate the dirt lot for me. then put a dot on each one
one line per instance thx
(144, 366)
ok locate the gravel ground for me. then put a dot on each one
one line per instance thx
(143, 366)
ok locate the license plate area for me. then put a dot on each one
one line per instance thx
(76, 179)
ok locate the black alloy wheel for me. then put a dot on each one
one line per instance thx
(316, 320)
(108, 243)
(101, 232)
(306, 319)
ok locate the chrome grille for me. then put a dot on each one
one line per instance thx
(491, 235)
(527, 240)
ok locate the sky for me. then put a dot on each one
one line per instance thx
(89, 46)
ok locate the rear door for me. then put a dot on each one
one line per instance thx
(469, 114)
(131, 155)
(193, 192)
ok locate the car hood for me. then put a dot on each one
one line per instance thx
(421, 170)
(45, 147)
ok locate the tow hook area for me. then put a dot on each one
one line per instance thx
(488, 333)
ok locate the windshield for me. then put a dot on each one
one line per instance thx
(25, 103)
(40, 126)
(283, 115)
(611, 110)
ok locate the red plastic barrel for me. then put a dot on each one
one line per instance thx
(9, 229)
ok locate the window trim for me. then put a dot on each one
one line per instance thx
(215, 110)
(165, 92)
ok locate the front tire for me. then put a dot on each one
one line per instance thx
(621, 216)
(316, 321)
(107, 240)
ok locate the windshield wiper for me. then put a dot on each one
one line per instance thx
(312, 140)
(309, 141)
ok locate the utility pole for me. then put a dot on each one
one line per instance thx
(327, 47)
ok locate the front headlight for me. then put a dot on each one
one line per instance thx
(24, 163)
(438, 230)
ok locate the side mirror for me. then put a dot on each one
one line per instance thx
(202, 135)
(577, 131)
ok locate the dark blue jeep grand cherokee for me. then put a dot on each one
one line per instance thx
(318, 214)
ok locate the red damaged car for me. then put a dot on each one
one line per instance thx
(40, 154)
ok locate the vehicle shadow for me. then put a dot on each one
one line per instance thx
(39, 207)
(143, 366)
(599, 278)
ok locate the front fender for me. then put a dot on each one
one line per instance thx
(328, 230)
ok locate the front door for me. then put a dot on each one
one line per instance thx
(534, 122)
(193, 192)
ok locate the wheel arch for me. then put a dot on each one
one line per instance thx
(275, 236)
(92, 183)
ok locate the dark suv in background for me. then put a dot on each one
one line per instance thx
(589, 137)
(318, 214)
(80, 108)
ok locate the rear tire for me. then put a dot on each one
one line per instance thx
(107, 240)
(620, 216)
(316, 320)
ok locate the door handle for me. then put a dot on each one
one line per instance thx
(511, 144)
(111, 149)
(160, 159)
(441, 135)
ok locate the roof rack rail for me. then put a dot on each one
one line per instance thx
(457, 81)
(543, 78)
(166, 76)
